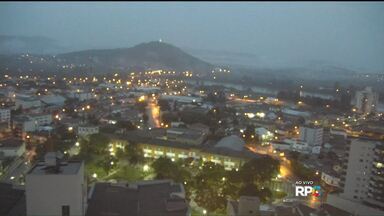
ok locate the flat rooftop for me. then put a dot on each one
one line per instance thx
(65, 168)
(138, 199)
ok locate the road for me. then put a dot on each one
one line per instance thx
(153, 112)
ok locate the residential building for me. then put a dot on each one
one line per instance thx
(280, 145)
(12, 147)
(312, 134)
(82, 95)
(302, 146)
(86, 130)
(330, 177)
(27, 102)
(54, 187)
(57, 100)
(29, 123)
(366, 100)
(363, 175)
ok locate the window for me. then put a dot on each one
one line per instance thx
(65, 210)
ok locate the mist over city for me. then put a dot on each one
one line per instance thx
(191, 108)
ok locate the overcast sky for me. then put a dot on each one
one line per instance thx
(349, 34)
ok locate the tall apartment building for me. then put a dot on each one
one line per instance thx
(363, 177)
(366, 100)
(56, 188)
(311, 134)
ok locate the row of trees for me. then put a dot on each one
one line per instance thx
(210, 185)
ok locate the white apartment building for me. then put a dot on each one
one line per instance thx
(56, 188)
(30, 123)
(312, 135)
(363, 179)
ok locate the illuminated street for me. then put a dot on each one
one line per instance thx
(153, 112)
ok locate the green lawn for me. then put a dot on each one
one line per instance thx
(128, 173)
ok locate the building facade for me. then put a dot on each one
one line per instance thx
(363, 179)
(366, 100)
(56, 188)
(312, 135)
(86, 130)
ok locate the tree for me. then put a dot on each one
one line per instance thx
(249, 136)
(127, 125)
(164, 105)
(96, 144)
(106, 164)
(259, 170)
(134, 153)
(209, 185)
(164, 168)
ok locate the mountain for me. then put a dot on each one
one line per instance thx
(152, 55)
(10, 44)
(145, 56)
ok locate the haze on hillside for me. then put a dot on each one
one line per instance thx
(258, 34)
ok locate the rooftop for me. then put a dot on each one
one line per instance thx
(12, 200)
(11, 143)
(65, 168)
(141, 137)
(137, 199)
(232, 142)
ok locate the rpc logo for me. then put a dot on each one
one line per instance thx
(308, 190)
